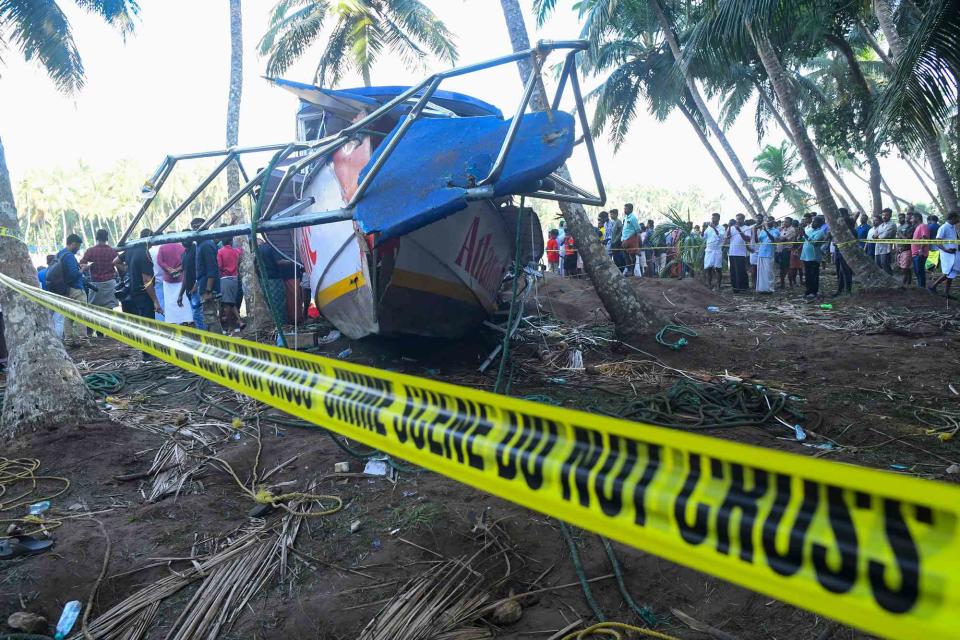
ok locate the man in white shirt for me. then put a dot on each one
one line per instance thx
(737, 238)
(713, 251)
(884, 229)
(949, 264)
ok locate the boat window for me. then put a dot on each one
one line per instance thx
(310, 126)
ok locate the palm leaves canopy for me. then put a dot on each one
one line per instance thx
(777, 166)
(362, 31)
(923, 91)
(40, 31)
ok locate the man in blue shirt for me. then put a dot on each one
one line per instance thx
(863, 229)
(42, 271)
(812, 254)
(73, 279)
(630, 237)
(208, 284)
(765, 235)
(933, 225)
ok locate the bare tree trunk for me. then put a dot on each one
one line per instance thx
(886, 189)
(933, 197)
(823, 161)
(633, 317)
(708, 118)
(931, 146)
(869, 134)
(896, 200)
(865, 270)
(257, 312)
(713, 154)
(44, 388)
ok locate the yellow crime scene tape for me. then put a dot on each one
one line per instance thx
(869, 548)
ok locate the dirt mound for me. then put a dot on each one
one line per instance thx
(575, 300)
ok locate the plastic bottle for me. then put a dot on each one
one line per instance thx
(827, 306)
(713, 309)
(39, 507)
(69, 616)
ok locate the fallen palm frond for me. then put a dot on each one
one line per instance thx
(441, 603)
(849, 319)
(228, 580)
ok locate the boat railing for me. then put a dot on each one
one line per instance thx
(418, 97)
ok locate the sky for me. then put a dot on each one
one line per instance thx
(164, 91)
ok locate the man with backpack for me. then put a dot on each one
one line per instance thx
(64, 278)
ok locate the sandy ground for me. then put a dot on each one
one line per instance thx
(865, 367)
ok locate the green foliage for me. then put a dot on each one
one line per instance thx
(691, 243)
(778, 166)
(659, 204)
(923, 91)
(362, 31)
(80, 199)
(40, 31)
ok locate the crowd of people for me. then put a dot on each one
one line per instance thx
(188, 283)
(765, 254)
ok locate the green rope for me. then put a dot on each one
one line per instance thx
(690, 404)
(505, 350)
(103, 383)
(581, 574)
(675, 328)
(646, 613)
(258, 259)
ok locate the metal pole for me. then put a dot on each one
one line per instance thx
(157, 180)
(392, 143)
(196, 192)
(277, 224)
(497, 167)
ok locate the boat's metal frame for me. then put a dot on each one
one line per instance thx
(290, 218)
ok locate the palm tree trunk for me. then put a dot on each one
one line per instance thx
(708, 118)
(866, 271)
(44, 388)
(632, 316)
(823, 161)
(713, 154)
(874, 44)
(886, 189)
(933, 198)
(870, 138)
(931, 146)
(257, 312)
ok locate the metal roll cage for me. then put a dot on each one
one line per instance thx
(290, 218)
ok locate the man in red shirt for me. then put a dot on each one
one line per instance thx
(553, 251)
(100, 261)
(228, 259)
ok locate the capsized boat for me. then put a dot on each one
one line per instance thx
(399, 202)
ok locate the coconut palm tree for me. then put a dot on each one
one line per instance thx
(778, 165)
(44, 388)
(639, 65)
(923, 91)
(633, 317)
(667, 26)
(744, 30)
(257, 309)
(362, 31)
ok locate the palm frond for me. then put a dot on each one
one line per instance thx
(292, 34)
(120, 14)
(423, 25)
(41, 31)
(333, 61)
(542, 10)
(923, 91)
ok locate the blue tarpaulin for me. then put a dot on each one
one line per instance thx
(426, 177)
